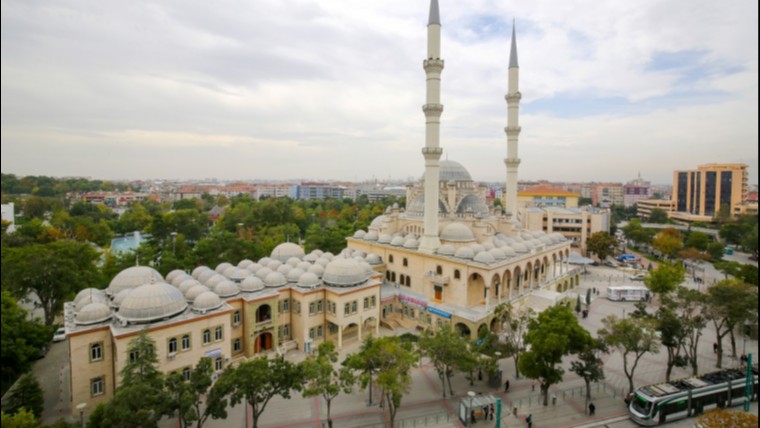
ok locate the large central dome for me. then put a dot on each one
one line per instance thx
(451, 170)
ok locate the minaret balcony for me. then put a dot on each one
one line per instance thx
(433, 110)
(434, 152)
(512, 131)
(515, 97)
(514, 163)
(433, 65)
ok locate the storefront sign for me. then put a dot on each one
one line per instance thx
(439, 312)
(412, 300)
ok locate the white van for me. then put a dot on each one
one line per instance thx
(628, 293)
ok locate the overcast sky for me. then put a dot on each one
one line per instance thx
(327, 89)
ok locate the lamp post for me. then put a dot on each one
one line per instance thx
(469, 417)
(81, 407)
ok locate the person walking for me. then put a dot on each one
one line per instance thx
(529, 420)
(485, 412)
(472, 416)
(490, 410)
(591, 409)
(506, 386)
(715, 347)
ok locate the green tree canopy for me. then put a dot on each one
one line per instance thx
(552, 335)
(446, 350)
(323, 379)
(632, 337)
(21, 339)
(658, 216)
(26, 394)
(665, 278)
(602, 244)
(730, 303)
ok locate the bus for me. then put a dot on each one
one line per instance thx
(627, 293)
(664, 402)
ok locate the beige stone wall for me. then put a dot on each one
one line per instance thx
(84, 369)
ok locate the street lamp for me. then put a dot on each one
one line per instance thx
(469, 417)
(81, 407)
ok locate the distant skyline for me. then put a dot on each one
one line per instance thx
(332, 90)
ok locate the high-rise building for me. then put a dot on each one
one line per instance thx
(698, 195)
(635, 190)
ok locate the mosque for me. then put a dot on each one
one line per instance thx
(445, 261)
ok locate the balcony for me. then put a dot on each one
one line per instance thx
(440, 279)
(264, 324)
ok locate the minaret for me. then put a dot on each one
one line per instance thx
(513, 129)
(433, 66)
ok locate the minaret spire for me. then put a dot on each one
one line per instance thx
(513, 128)
(433, 66)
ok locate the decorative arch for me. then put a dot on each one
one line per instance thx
(264, 342)
(263, 313)
(476, 287)
(496, 289)
(507, 283)
(462, 329)
(517, 281)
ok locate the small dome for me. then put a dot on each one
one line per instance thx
(287, 250)
(537, 234)
(304, 266)
(206, 275)
(264, 260)
(308, 280)
(214, 280)
(446, 250)
(488, 245)
(206, 301)
(377, 223)
(284, 269)
(151, 302)
(384, 238)
(253, 268)
(409, 236)
(528, 244)
(476, 248)
(464, 253)
(322, 261)
(327, 255)
(359, 234)
(397, 241)
(497, 254)
(317, 270)
(170, 276)
(93, 313)
(473, 204)
(199, 270)
(411, 243)
(498, 243)
(274, 264)
(188, 284)
(133, 277)
(374, 259)
(251, 284)
(344, 273)
(293, 261)
(275, 279)
(546, 240)
(221, 267)
(91, 298)
(238, 274)
(195, 291)
(457, 232)
(86, 293)
(294, 274)
(263, 272)
(117, 299)
(317, 252)
(526, 234)
(179, 279)
(371, 236)
(509, 251)
(311, 257)
(227, 272)
(243, 264)
(226, 289)
(520, 248)
(557, 237)
(484, 257)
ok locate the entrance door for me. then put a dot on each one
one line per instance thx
(438, 292)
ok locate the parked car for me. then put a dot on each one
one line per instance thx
(637, 277)
(60, 335)
(610, 264)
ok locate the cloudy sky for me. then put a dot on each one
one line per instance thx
(332, 89)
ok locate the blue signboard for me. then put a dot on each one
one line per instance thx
(439, 312)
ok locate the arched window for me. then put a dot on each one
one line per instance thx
(406, 262)
(186, 342)
(439, 270)
(172, 345)
(219, 364)
(390, 258)
(186, 373)
(218, 333)
(96, 351)
(206, 336)
(457, 275)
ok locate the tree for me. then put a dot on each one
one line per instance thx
(139, 401)
(632, 337)
(590, 366)
(588, 297)
(21, 340)
(445, 350)
(184, 397)
(21, 419)
(690, 307)
(668, 242)
(364, 362)
(729, 303)
(658, 216)
(578, 304)
(715, 250)
(673, 334)
(258, 380)
(602, 244)
(396, 358)
(514, 324)
(26, 394)
(749, 241)
(733, 233)
(323, 379)
(633, 231)
(54, 272)
(665, 278)
(552, 335)
(698, 240)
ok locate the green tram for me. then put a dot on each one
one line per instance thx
(664, 402)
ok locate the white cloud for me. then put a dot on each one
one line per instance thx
(333, 89)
